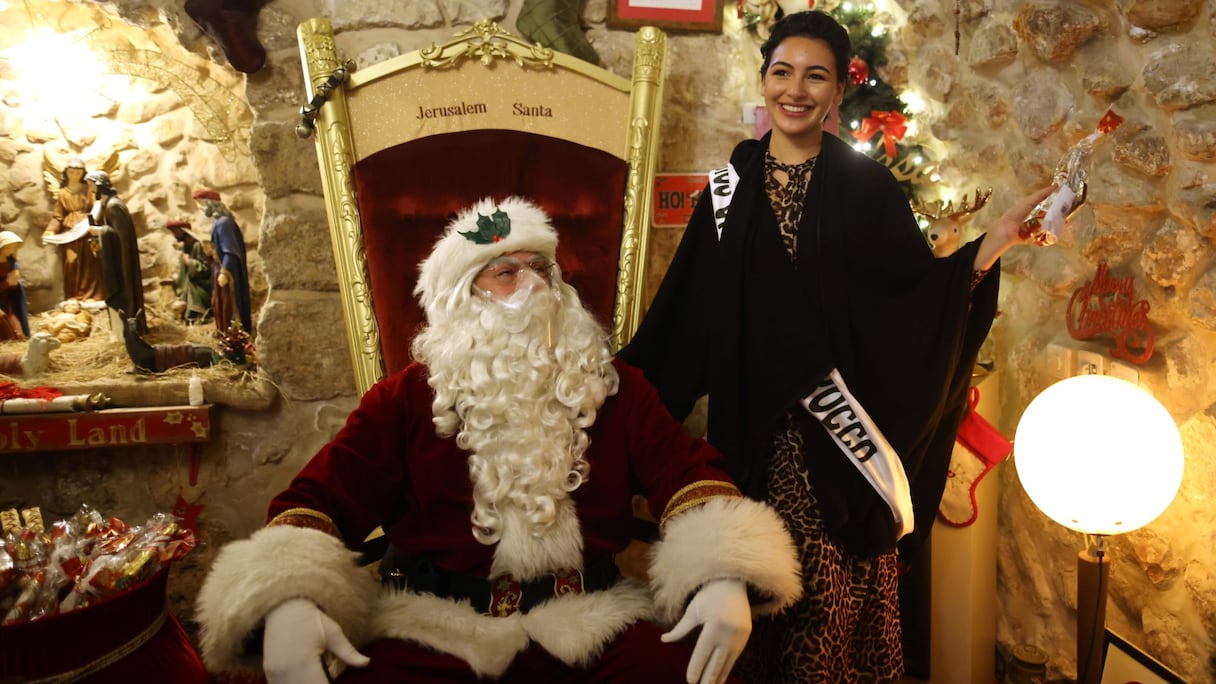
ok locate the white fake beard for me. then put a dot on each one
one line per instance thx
(518, 381)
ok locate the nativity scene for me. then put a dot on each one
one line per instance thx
(262, 262)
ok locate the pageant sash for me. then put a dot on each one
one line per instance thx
(860, 440)
(722, 184)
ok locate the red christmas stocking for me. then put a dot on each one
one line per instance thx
(234, 25)
(979, 447)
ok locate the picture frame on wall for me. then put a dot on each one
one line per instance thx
(669, 15)
(1123, 663)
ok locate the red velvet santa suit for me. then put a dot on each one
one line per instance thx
(387, 467)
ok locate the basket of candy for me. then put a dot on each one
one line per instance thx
(85, 600)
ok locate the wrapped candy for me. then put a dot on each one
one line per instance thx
(27, 549)
(39, 595)
(130, 559)
(8, 571)
(79, 561)
(1045, 222)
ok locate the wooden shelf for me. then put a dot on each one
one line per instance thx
(23, 433)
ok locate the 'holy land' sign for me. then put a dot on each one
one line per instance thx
(109, 428)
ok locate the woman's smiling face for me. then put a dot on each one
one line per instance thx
(800, 87)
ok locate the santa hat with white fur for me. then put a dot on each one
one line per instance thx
(477, 236)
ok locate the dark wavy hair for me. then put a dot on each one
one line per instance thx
(810, 24)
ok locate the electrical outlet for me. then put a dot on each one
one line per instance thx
(1059, 361)
(749, 112)
(1124, 371)
(1090, 362)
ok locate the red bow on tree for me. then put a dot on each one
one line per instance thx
(892, 124)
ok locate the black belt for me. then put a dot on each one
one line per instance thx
(496, 596)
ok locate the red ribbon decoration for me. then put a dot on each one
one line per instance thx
(892, 124)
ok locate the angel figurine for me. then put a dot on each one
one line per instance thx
(68, 229)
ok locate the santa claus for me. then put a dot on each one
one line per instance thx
(501, 466)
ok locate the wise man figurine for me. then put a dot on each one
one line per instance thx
(230, 275)
(193, 284)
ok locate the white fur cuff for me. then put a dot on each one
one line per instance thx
(252, 576)
(727, 537)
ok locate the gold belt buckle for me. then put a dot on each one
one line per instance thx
(568, 581)
(505, 596)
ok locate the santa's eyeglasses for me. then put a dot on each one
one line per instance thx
(506, 270)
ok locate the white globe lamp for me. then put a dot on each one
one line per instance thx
(1101, 456)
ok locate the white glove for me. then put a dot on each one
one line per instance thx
(296, 637)
(724, 614)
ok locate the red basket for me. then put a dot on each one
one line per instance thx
(125, 638)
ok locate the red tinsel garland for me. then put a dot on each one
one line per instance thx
(10, 390)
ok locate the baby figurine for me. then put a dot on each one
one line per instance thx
(73, 323)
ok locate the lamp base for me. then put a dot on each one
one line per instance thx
(1093, 580)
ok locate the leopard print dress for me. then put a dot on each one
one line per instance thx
(846, 626)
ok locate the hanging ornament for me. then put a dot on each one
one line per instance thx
(859, 71)
(753, 13)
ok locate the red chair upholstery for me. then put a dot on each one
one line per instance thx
(408, 194)
(405, 144)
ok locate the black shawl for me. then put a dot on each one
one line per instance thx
(734, 319)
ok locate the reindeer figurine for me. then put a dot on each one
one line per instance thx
(945, 231)
(35, 358)
(157, 358)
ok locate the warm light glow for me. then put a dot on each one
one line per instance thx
(54, 68)
(914, 102)
(1098, 455)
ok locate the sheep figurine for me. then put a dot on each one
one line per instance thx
(35, 359)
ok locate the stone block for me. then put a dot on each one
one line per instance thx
(297, 251)
(286, 163)
(302, 345)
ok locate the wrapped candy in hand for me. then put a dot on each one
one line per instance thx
(1045, 222)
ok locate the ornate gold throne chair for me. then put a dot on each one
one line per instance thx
(405, 144)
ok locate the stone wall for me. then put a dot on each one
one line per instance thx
(1030, 79)
(1033, 78)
